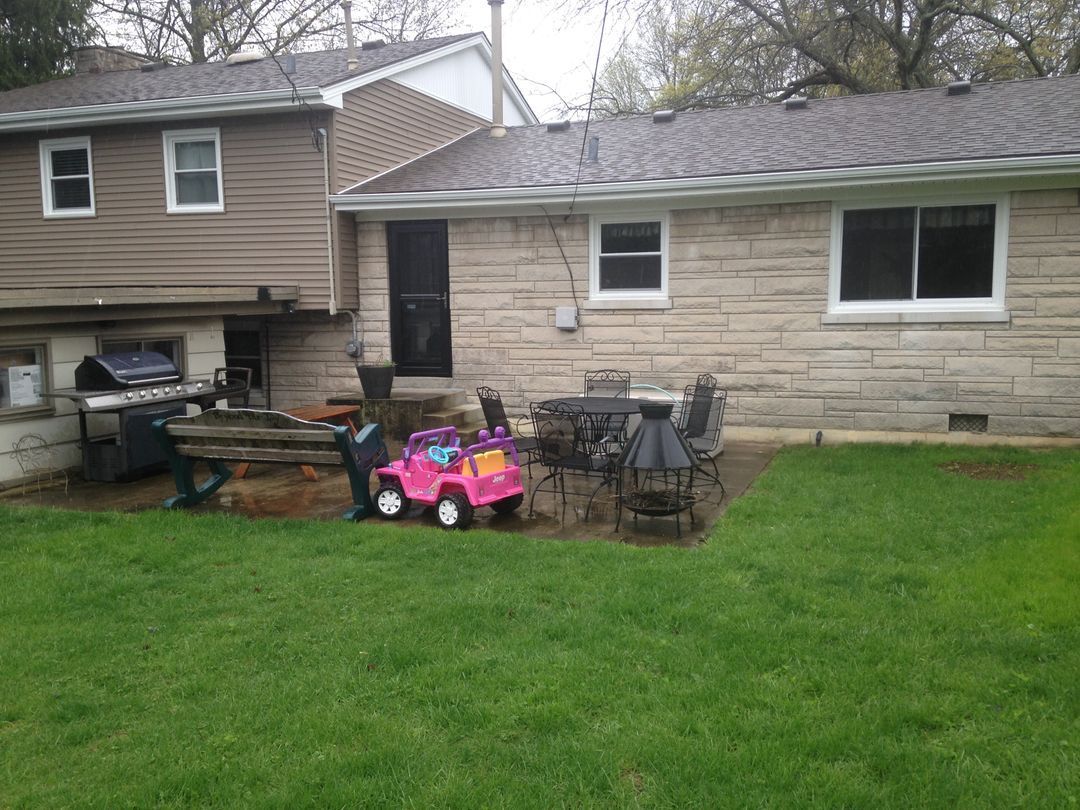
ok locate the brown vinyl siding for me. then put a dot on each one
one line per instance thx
(385, 124)
(273, 230)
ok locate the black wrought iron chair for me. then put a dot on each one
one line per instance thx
(610, 382)
(701, 423)
(607, 382)
(495, 415)
(571, 442)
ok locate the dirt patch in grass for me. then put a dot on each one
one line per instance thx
(989, 471)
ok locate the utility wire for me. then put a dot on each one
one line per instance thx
(588, 114)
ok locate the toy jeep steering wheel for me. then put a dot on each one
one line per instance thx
(441, 455)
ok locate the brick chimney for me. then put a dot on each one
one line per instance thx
(100, 59)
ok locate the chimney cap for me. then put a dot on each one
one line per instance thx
(795, 103)
(663, 116)
(558, 126)
(958, 88)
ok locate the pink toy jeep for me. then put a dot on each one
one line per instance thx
(434, 470)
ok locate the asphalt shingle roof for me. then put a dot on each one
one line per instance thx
(318, 69)
(1002, 119)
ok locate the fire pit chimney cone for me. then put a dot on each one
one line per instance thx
(657, 443)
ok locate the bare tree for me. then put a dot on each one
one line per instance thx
(202, 30)
(700, 53)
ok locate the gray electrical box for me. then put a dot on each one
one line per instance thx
(566, 318)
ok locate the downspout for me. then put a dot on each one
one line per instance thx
(329, 225)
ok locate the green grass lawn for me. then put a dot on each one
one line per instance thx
(864, 629)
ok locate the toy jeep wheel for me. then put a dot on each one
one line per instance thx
(390, 501)
(453, 511)
(508, 505)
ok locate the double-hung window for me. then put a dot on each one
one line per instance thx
(932, 257)
(193, 171)
(171, 347)
(67, 178)
(628, 257)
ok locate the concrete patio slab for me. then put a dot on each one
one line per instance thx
(282, 491)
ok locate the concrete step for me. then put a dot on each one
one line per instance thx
(457, 415)
(468, 433)
(433, 399)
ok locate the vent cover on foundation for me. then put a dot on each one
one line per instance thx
(968, 422)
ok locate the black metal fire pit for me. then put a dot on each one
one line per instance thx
(660, 466)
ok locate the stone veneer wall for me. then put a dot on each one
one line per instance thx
(749, 288)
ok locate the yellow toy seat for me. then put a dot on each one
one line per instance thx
(486, 463)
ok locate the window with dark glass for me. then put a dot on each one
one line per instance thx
(630, 256)
(170, 347)
(67, 181)
(918, 253)
(243, 349)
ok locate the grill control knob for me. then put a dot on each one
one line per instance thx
(130, 395)
(168, 390)
(142, 395)
(153, 392)
(179, 390)
(198, 386)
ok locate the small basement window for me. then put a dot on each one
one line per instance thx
(67, 178)
(968, 423)
(171, 347)
(23, 379)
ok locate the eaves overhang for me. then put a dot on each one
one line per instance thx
(461, 201)
(167, 109)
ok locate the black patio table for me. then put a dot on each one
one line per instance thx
(601, 406)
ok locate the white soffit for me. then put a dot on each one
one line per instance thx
(464, 80)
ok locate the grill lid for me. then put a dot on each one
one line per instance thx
(657, 443)
(111, 372)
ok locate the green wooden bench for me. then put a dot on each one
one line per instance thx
(241, 435)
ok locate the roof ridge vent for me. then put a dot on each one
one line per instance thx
(242, 58)
(663, 116)
(558, 126)
(372, 44)
(959, 88)
(795, 103)
(150, 67)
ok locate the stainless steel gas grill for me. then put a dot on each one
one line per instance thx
(139, 387)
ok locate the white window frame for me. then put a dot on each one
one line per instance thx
(169, 140)
(963, 308)
(11, 414)
(595, 293)
(46, 148)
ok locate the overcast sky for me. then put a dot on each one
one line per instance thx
(544, 52)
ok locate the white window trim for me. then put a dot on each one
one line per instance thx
(171, 137)
(595, 294)
(44, 408)
(46, 148)
(991, 307)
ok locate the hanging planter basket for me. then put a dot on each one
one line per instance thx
(377, 381)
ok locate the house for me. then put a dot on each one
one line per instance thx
(185, 209)
(895, 266)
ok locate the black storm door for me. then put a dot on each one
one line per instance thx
(419, 298)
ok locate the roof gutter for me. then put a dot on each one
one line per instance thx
(165, 109)
(993, 168)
